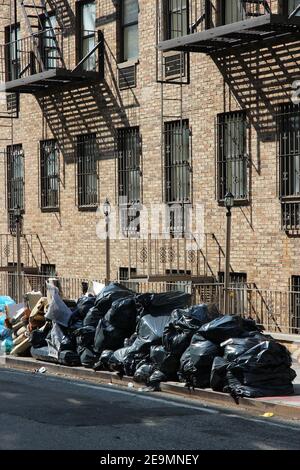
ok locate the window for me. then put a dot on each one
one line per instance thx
(177, 162)
(87, 174)
(129, 177)
(234, 10)
(15, 177)
(130, 30)
(295, 304)
(177, 174)
(49, 167)
(50, 53)
(232, 155)
(12, 36)
(177, 18)
(86, 12)
(288, 131)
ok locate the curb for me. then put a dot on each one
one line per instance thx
(251, 405)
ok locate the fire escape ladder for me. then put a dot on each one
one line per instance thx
(33, 12)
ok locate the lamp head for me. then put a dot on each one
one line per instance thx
(106, 208)
(229, 200)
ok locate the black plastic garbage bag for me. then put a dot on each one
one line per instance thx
(143, 372)
(87, 357)
(156, 378)
(108, 336)
(196, 363)
(68, 343)
(69, 358)
(182, 326)
(157, 355)
(226, 327)
(122, 314)
(263, 370)
(93, 317)
(265, 354)
(234, 347)
(38, 339)
(125, 360)
(169, 367)
(103, 363)
(110, 294)
(163, 303)
(84, 304)
(218, 374)
(85, 336)
(151, 328)
(42, 354)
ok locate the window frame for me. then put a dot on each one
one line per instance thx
(242, 159)
(19, 181)
(122, 28)
(80, 36)
(46, 178)
(8, 32)
(168, 20)
(81, 192)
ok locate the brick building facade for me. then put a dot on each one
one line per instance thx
(242, 88)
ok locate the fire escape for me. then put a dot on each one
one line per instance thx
(37, 55)
(43, 58)
(226, 30)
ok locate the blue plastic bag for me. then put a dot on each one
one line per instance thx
(5, 300)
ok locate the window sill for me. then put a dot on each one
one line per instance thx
(87, 208)
(49, 209)
(128, 63)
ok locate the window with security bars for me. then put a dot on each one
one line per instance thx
(49, 170)
(15, 177)
(12, 52)
(129, 178)
(232, 157)
(295, 304)
(177, 162)
(288, 131)
(87, 171)
(177, 13)
(129, 164)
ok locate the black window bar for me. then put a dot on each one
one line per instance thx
(288, 147)
(177, 162)
(295, 304)
(87, 171)
(15, 177)
(129, 178)
(232, 155)
(49, 170)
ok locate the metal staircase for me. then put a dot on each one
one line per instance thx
(36, 15)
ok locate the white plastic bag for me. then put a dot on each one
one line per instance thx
(58, 312)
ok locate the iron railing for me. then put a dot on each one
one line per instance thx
(181, 17)
(275, 310)
(33, 54)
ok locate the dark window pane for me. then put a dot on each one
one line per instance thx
(49, 157)
(87, 174)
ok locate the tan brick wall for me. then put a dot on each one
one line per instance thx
(257, 81)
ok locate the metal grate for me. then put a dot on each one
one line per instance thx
(15, 177)
(12, 104)
(175, 66)
(87, 172)
(232, 157)
(49, 167)
(288, 148)
(295, 304)
(127, 77)
(177, 162)
(129, 164)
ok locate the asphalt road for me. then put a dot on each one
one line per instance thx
(47, 413)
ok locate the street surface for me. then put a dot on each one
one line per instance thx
(42, 412)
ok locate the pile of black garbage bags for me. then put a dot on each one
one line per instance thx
(156, 338)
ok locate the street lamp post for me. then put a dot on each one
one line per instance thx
(106, 212)
(229, 203)
(18, 222)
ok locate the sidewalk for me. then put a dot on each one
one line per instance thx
(284, 407)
